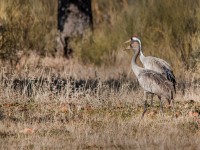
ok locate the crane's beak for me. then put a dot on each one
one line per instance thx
(129, 47)
(127, 41)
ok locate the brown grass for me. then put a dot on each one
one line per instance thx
(104, 117)
(168, 29)
(54, 103)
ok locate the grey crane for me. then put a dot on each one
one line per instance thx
(152, 82)
(156, 64)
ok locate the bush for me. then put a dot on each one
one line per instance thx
(168, 29)
(27, 25)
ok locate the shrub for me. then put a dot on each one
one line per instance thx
(27, 25)
(168, 29)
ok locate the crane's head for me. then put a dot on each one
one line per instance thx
(135, 43)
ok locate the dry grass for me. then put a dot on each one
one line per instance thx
(168, 29)
(103, 116)
(21, 23)
(53, 103)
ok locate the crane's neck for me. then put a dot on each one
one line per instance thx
(136, 69)
(141, 55)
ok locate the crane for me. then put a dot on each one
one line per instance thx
(154, 63)
(152, 82)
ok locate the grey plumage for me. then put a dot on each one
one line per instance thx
(159, 66)
(151, 81)
(156, 83)
(156, 64)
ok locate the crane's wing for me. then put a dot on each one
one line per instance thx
(156, 83)
(155, 64)
(170, 76)
(162, 67)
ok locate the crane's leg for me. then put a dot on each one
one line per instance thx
(169, 102)
(173, 109)
(151, 96)
(161, 107)
(145, 104)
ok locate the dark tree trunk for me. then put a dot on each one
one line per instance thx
(74, 16)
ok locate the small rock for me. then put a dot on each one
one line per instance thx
(177, 114)
(193, 114)
(152, 113)
(64, 109)
(27, 131)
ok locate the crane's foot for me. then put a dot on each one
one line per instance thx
(152, 100)
(173, 109)
(145, 108)
(161, 107)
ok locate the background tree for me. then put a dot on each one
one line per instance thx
(74, 16)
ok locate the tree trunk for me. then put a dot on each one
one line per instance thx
(74, 16)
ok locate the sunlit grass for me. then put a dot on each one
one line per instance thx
(27, 26)
(102, 114)
(167, 29)
(98, 107)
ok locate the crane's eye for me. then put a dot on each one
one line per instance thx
(134, 44)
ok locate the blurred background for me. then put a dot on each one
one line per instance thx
(93, 31)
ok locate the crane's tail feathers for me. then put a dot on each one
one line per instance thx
(174, 85)
(172, 95)
(171, 77)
